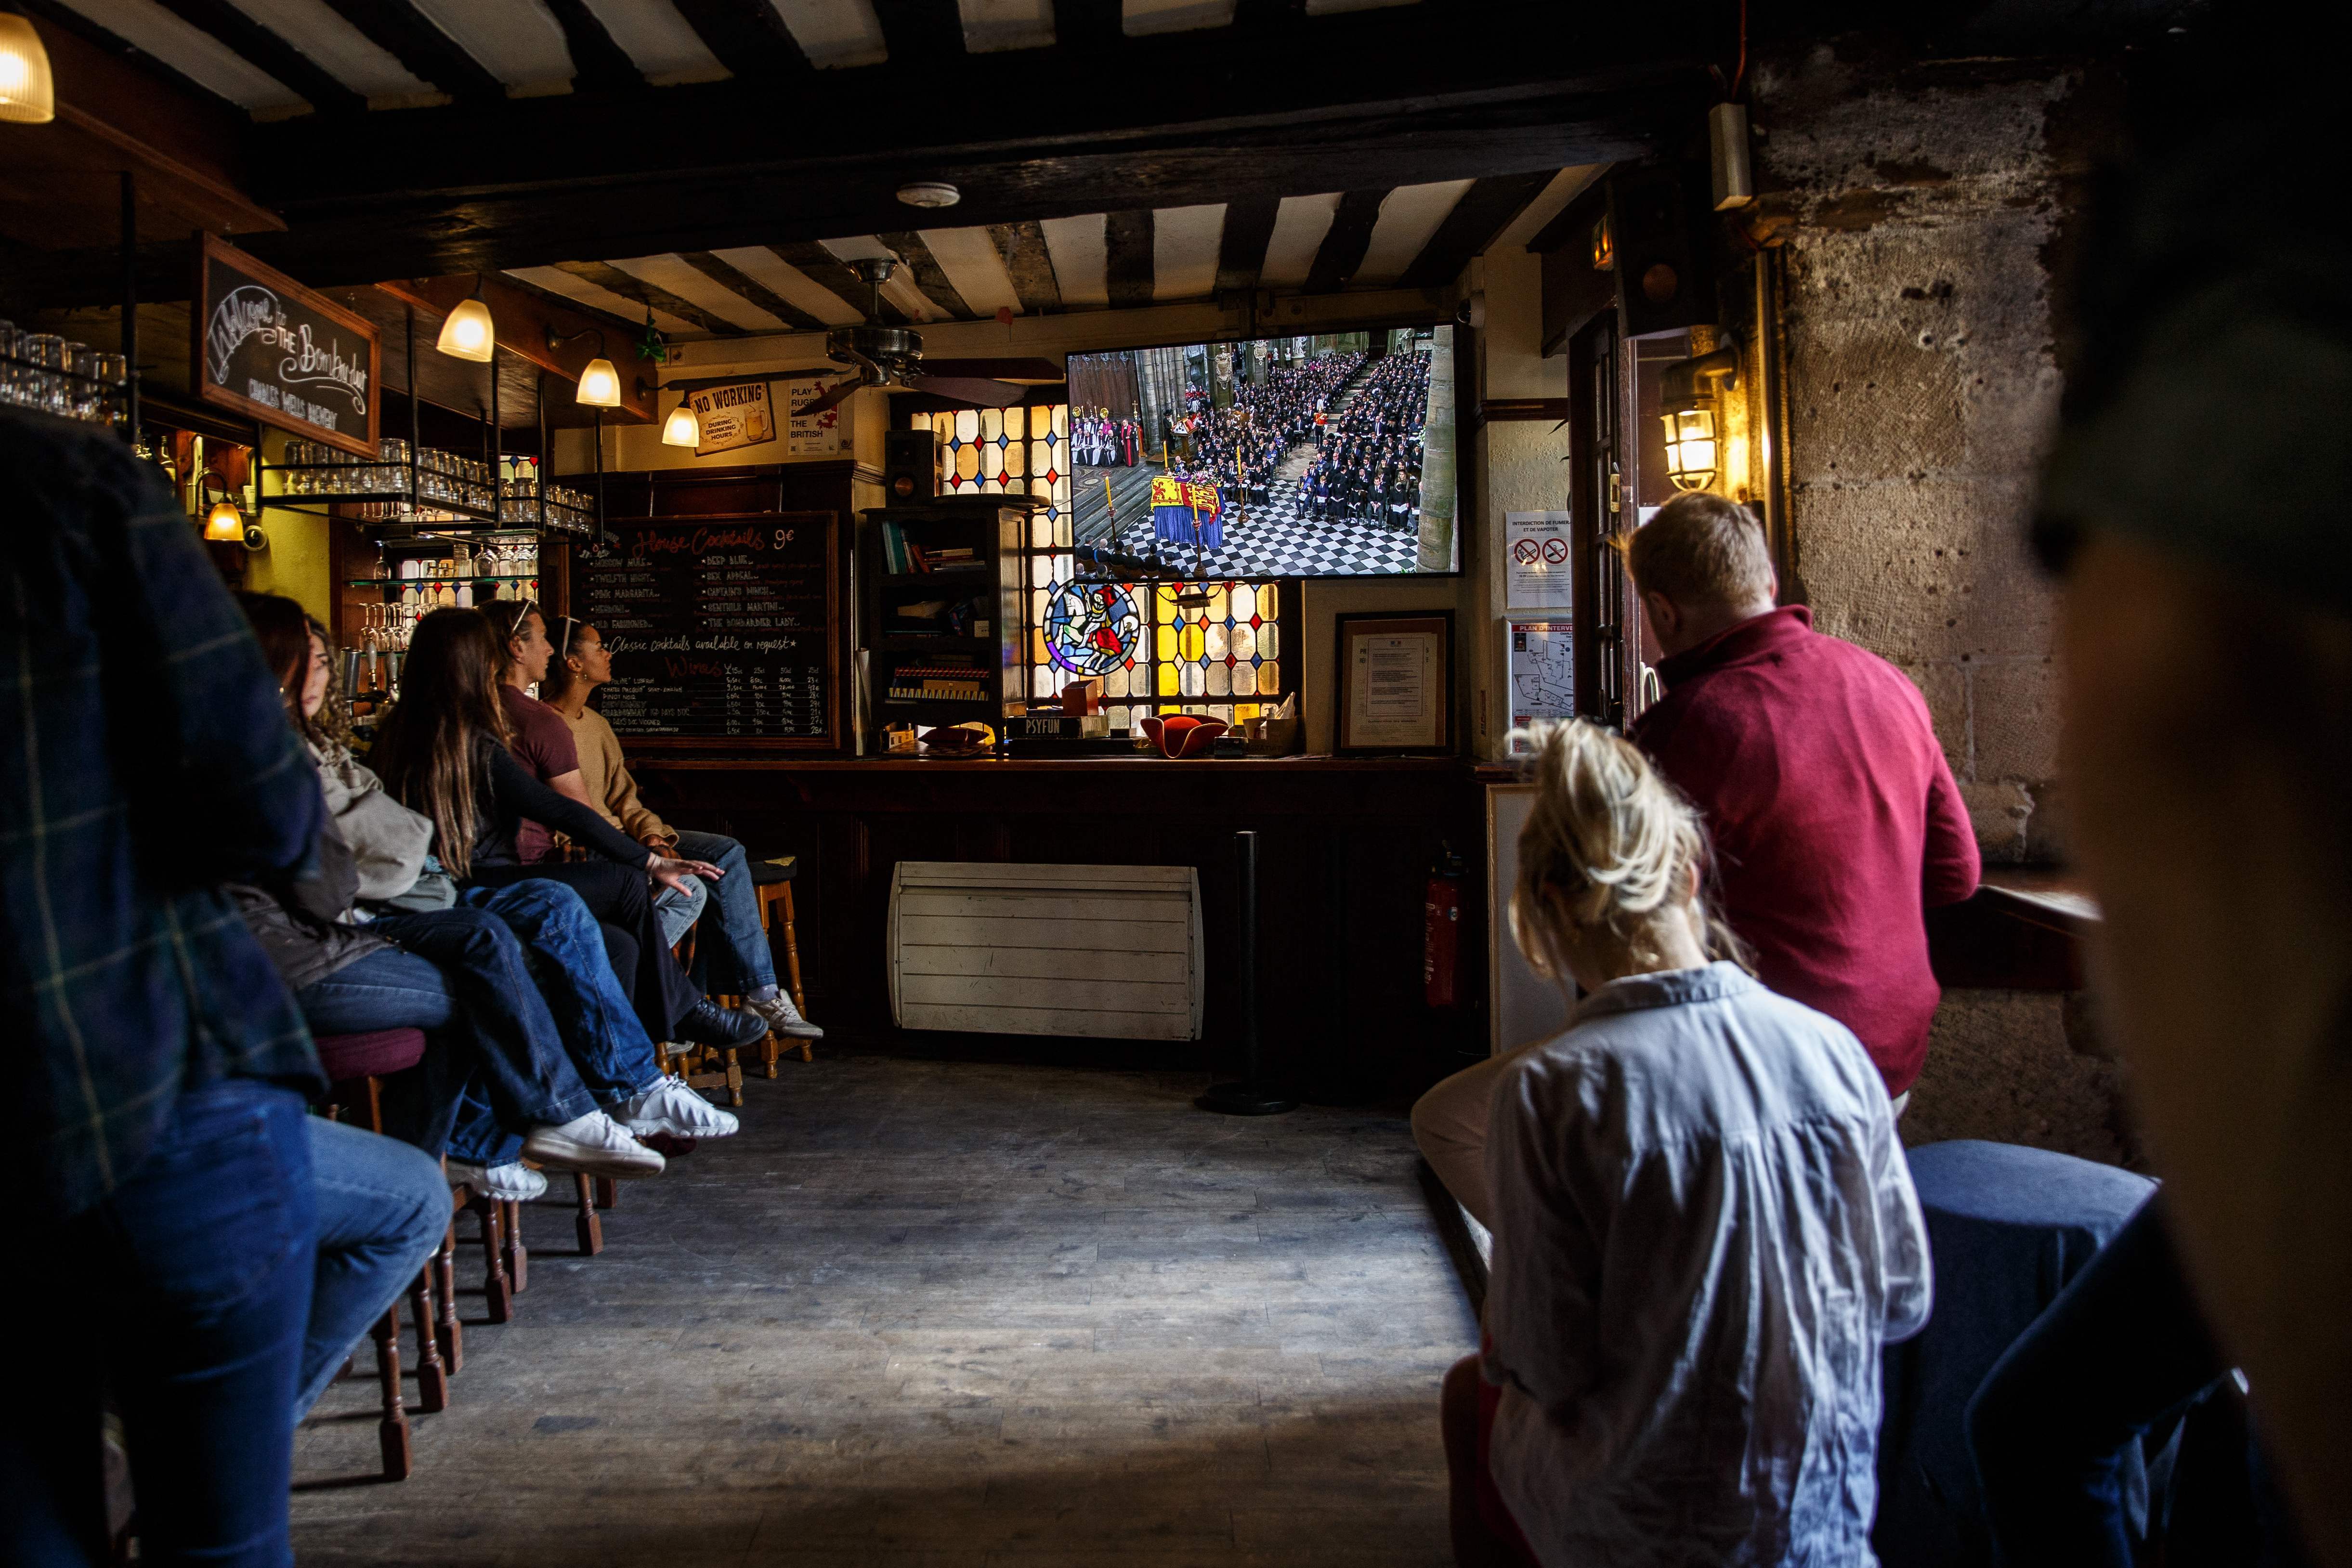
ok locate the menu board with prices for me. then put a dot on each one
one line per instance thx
(722, 629)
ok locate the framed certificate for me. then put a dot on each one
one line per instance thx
(1396, 683)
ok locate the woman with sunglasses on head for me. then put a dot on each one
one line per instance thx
(742, 964)
(443, 751)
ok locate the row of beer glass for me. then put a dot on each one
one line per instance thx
(57, 375)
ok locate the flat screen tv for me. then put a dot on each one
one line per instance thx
(1323, 456)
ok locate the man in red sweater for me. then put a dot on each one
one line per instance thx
(1835, 820)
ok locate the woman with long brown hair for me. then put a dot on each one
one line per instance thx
(442, 750)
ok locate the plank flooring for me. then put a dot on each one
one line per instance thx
(926, 1313)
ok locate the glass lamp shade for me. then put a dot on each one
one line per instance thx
(26, 95)
(600, 385)
(681, 428)
(468, 333)
(1690, 447)
(224, 524)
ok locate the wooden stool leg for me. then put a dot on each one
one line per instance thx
(432, 1376)
(446, 1328)
(391, 1431)
(769, 1052)
(589, 1227)
(734, 1080)
(517, 1257)
(494, 1269)
(608, 1192)
(792, 954)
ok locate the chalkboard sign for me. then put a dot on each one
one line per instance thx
(722, 629)
(281, 354)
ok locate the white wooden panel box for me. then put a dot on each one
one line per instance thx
(1106, 951)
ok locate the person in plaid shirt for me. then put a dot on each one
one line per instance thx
(159, 1147)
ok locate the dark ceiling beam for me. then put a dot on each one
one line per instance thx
(1485, 210)
(930, 277)
(1241, 249)
(58, 17)
(1083, 25)
(748, 35)
(598, 64)
(1127, 257)
(629, 285)
(431, 55)
(1345, 242)
(737, 282)
(920, 31)
(1029, 263)
(823, 267)
(265, 50)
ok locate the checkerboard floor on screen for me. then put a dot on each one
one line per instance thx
(1279, 541)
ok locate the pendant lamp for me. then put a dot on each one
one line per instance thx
(468, 333)
(682, 428)
(600, 385)
(27, 94)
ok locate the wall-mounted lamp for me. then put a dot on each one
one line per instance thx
(27, 94)
(1687, 398)
(224, 522)
(682, 428)
(468, 333)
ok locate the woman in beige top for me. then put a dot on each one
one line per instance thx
(578, 665)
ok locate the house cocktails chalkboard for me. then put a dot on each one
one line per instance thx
(721, 628)
(281, 354)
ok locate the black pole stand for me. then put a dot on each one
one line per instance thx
(1252, 1096)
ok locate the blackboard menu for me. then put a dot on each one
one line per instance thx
(721, 628)
(281, 354)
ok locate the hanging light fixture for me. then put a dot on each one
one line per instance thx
(599, 384)
(27, 94)
(682, 428)
(468, 333)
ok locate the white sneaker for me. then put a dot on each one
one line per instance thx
(780, 1015)
(509, 1183)
(594, 1145)
(671, 1106)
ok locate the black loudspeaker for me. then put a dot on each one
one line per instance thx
(1659, 231)
(910, 467)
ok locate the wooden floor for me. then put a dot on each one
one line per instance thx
(929, 1313)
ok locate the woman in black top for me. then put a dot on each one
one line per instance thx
(442, 750)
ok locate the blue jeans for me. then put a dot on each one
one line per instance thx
(466, 983)
(600, 1030)
(382, 1208)
(742, 964)
(190, 1287)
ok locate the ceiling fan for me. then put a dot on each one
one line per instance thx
(892, 358)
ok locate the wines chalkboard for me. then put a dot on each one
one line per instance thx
(722, 629)
(281, 354)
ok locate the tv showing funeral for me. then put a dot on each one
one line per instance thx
(1323, 456)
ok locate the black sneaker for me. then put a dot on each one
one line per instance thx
(708, 1024)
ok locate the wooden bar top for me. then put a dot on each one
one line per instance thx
(1112, 763)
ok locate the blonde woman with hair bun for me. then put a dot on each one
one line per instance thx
(1704, 1229)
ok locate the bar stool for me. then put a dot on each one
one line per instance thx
(356, 1067)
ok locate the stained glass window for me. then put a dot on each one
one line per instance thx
(1217, 649)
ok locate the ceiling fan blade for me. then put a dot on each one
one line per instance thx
(833, 397)
(969, 389)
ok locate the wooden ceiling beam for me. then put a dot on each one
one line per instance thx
(1241, 249)
(1030, 265)
(1485, 210)
(629, 285)
(429, 54)
(1346, 241)
(730, 277)
(269, 52)
(747, 35)
(929, 275)
(598, 64)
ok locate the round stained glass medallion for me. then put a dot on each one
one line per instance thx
(1092, 628)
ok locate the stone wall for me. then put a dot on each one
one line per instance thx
(1918, 211)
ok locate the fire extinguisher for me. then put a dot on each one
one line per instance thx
(1441, 932)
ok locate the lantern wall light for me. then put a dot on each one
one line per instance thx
(1689, 399)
